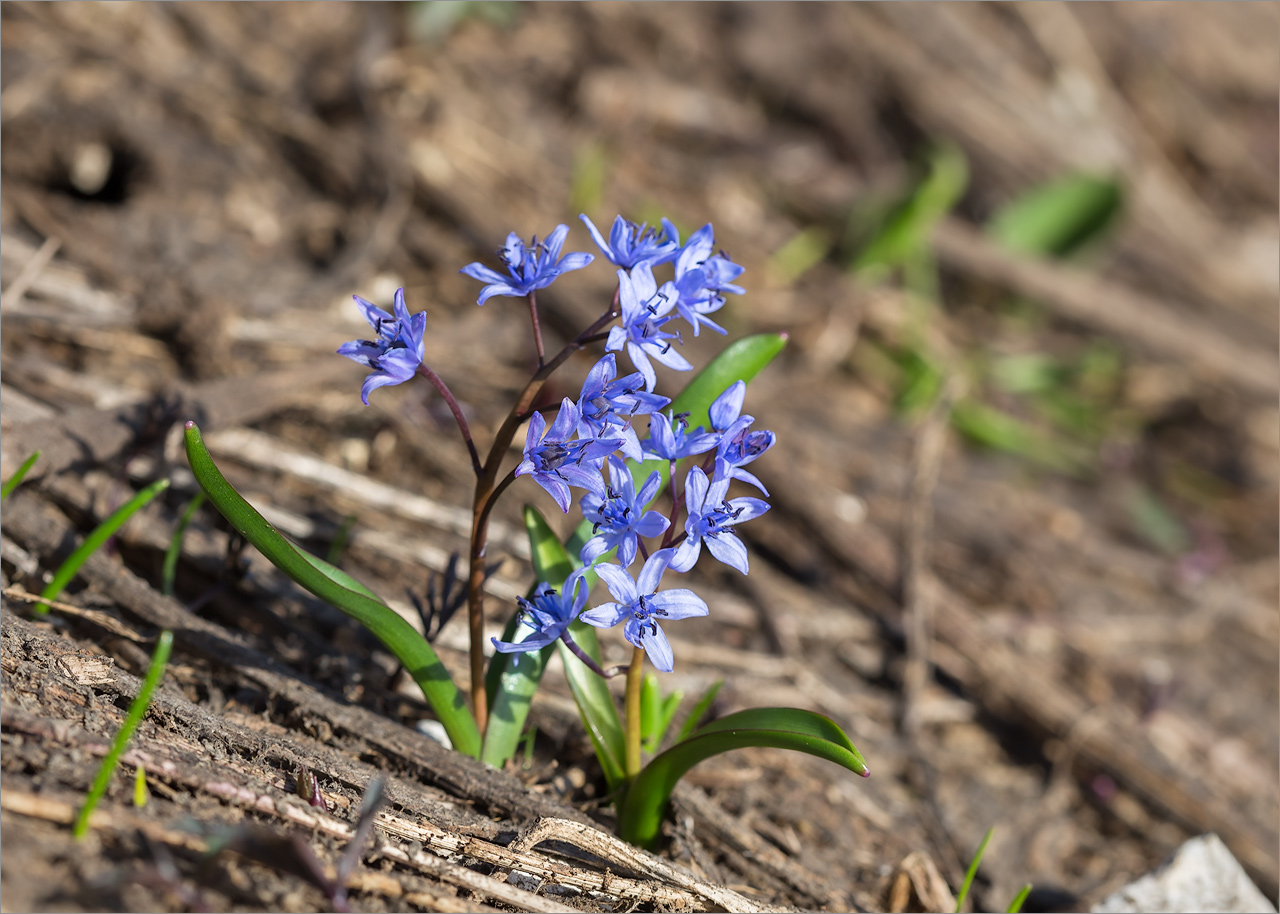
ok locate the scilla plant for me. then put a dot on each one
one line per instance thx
(698, 445)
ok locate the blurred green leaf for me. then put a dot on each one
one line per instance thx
(1153, 521)
(16, 479)
(972, 871)
(905, 232)
(803, 252)
(700, 710)
(1059, 218)
(171, 556)
(587, 180)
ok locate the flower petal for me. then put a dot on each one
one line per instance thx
(619, 582)
(657, 647)
(679, 603)
(606, 615)
(728, 549)
(728, 406)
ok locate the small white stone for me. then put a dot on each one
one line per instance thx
(1202, 876)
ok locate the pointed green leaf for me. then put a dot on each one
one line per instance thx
(103, 532)
(16, 479)
(174, 552)
(700, 710)
(641, 812)
(342, 591)
(591, 693)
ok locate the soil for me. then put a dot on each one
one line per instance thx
(1071, 639)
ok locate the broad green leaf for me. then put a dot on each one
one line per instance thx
(16, 479)
(174, 552)
(591, 693)
(93, 542)
(1058, 218)
(641, 811)
(339, 589)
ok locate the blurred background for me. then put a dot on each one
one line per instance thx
(1027, 255)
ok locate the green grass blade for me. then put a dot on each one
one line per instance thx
(641, 812)
(1019, 900)
(175, 544)
(104, 531)
(137, 708)
(16, 479)
(341, 590)
(650, 711)
(973, 870)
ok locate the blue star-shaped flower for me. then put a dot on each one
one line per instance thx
(619, 518)
(642, 606)
(532, 266)
(702, 278)
(556, 463)
(548, 614)
(397, 352)
(670, 439)
(630, 244)
(739, 446)
(644, 311)
(608, 403)
(711, 515)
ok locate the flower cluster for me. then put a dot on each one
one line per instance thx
(589, 442)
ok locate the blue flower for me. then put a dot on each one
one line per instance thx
(670, 439)
(739, 446)
(548, 614)
(642, 607)
(711, 515)
(607, 405)
(630, 244)
(644, 311)
(726, 408)
(534, 266)
(397, 352)
(556, 463)
(619, 518)
(702, 278)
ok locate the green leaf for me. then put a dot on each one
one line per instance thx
(174, 551)
(511, 679)
(904, 234)
(590, 692)
(973, 870)
(67, 570)
(1019, 900)
(595, 703)
(641, 812)
(16, 479)
(656, 712)
(700, 710)
(344, 592)
(133, 717)
(1059, 218)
